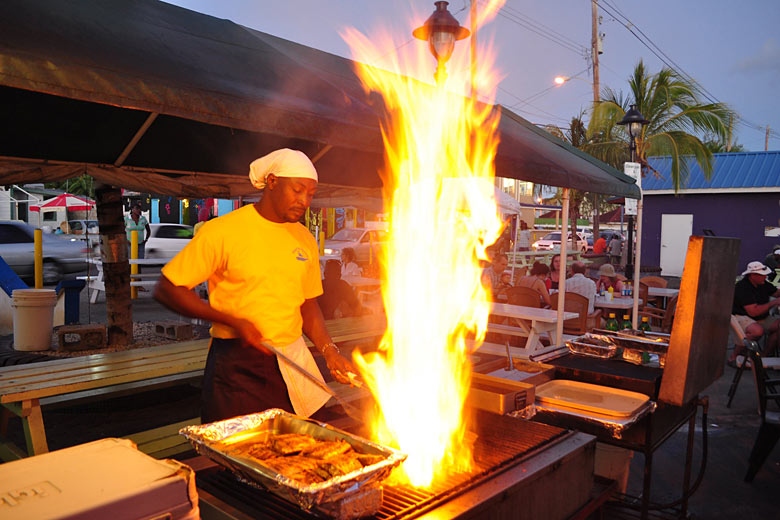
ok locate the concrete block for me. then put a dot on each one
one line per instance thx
(175, 330)
(81, 337)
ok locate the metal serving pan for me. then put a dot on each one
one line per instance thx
(208, 439)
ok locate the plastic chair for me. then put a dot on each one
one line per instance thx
(577, 303)
(524, 296)
(769, 431)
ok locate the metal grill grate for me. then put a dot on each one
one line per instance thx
(501, 443)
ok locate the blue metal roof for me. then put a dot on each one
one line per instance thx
(730, 170)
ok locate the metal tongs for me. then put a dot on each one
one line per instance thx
(351, 410)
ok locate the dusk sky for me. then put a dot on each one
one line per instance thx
(731, 49)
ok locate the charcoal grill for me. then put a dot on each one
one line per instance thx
(509, 453)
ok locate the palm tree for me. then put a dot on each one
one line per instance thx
(676, 115)
(575, 135)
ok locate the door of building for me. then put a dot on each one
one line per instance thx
(675, 231)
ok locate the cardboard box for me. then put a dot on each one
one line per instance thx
(108, 478)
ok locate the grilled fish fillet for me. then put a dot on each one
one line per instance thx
(289, 443)
(327, 449)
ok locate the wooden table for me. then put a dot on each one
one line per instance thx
(541, 321)
(25, 388)
(663, 292)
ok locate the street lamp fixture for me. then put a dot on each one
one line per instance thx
(634, 120)
(560, 80)
(441, 30)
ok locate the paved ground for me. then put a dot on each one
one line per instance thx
(722, 494)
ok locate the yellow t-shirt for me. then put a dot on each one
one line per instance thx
(256, 269)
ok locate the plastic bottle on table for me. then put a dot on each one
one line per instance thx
(610, 293)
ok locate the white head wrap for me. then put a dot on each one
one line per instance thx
(282, 163)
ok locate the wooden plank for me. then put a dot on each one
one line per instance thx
(10, 452)
(77, 374)
(140, 374)
(99, 359)
(161, 432)
(164, 441)
(34, 432)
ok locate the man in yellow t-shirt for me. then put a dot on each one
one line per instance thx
(263, 274)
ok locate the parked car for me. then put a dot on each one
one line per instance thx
(359, 239)
(82, 227)
(61, 256)
(608, 235)
(166, 240)
(552, 241)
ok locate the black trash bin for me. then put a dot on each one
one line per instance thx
(72, 289)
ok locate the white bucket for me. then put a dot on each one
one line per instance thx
(33, 317)
(613, 463)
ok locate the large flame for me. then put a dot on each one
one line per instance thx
(440, 147)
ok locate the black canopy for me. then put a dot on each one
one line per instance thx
(153, 97)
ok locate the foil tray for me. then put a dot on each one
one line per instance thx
(594, 345)
(207, 440)
(655, 342)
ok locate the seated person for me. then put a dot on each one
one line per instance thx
(772, 260)
(535, 281)
(349, 266)
(581, 284)
(338, 300)
(752, 305)
(491, 275)
(609, 278)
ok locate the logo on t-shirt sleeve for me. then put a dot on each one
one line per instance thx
(300, 254)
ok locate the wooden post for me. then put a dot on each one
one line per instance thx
(38, 238)
(562, 277)
(116, 268)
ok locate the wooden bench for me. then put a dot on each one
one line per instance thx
(24, 389)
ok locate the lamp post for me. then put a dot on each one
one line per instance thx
(441, 30)
(634, 121)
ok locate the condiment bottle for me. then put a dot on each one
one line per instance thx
(626, 323)
(612, 323)
(611, 294)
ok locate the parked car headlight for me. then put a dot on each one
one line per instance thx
(329, 251)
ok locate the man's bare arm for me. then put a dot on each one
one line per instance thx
(185, 302)
(756, 309)
(314, 328)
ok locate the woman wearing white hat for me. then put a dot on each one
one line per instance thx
(263, 272)
(752, 304)
(609, 278)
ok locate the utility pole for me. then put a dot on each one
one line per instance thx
(594, 44)
(766, 139)
(731, 125)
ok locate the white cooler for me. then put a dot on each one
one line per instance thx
(105, 479)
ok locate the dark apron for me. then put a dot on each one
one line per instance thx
(240, 380)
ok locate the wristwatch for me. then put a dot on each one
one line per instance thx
(331, 344)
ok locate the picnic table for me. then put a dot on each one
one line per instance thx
(24, 389)
(96, 284)
(533, 323)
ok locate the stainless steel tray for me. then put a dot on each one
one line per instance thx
(207, 439)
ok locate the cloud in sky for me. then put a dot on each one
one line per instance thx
(767, 59)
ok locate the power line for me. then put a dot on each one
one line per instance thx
(538, 29)
(669, 62)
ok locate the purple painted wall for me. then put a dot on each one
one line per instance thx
(740, 215)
